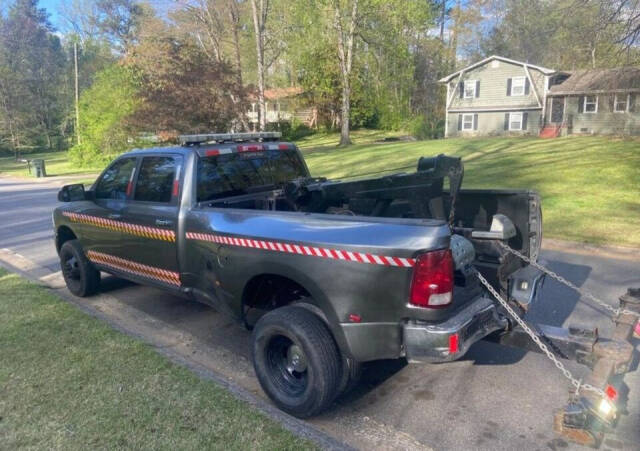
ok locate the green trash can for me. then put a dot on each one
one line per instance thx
(39, 168)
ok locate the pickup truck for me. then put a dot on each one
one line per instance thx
(326, 273)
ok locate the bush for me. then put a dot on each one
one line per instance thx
(291, 131)
(104, 112)
(422, 128)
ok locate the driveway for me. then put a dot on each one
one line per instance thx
(495, 398)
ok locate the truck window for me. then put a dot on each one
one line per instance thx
(113, 183)
(241, 173)
(155, 181)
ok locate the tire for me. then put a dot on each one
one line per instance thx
(81, 277)
(296, 361)
(351, 373)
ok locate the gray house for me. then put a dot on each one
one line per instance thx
(501, 96)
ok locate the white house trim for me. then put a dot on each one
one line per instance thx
(487, 110)
(544, 70)
(532, 85)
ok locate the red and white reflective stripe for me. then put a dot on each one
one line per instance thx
(111, 261)
(335, 254)
(215, 152)
(250, 147)
(133, 229)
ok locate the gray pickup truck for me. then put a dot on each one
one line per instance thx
(327, 273)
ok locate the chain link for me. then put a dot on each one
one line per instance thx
(562, 280)
(577, 383)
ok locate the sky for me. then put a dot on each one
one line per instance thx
(52, 8)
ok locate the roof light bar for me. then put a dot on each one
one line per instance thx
(186, 140)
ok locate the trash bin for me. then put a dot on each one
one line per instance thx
(39, 168)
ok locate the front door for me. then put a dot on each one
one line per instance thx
(557, 110)
(152, 218)
(99, 223)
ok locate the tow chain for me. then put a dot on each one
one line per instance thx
(562, 280)
(577, 383)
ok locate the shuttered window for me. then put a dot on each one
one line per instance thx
(517, 86)
(515, 121)
(469, 89)
(620, 103)
(590, 104)
(467, 122)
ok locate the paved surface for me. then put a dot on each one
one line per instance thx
(495, 398)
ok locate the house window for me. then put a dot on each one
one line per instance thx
(515, 121)
(590, 104)
(469, 89)
(467, 121)
(620, 103)
(517, 86)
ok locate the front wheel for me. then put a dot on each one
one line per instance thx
(81, 277)
(296, 361)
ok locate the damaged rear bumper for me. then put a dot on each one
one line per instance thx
(427, 342)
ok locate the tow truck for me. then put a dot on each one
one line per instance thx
(332, 273)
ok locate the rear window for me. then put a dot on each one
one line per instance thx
(245, 172)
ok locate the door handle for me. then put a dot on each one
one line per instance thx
(114, 216)
(164, 222)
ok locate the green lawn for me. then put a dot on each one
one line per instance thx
(57, 163)
(69, 381)
(590, 186)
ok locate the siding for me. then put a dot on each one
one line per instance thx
(492, 124)
(605, 121)
(493, 87)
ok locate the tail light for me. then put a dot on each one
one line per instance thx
(432, 283)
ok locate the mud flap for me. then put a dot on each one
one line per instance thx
(584, 420)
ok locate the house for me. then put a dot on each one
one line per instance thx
(501, 96)
(282, 105)
(598, 101)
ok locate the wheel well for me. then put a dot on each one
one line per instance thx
(267, 292)
(64, 234)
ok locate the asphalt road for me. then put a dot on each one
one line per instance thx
(494, 398)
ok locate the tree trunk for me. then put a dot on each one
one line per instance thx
(345, 55)
(234, 15)
(259, 19)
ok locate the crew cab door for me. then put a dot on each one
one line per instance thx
(98, 223)
(151, 217)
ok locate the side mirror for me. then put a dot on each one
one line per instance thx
(72, 193)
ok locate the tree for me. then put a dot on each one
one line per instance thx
(107, 108)
(32, 87)
(184, 90)
(260, 10)
(345, 22)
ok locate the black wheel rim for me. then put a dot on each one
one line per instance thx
(287, 365)
(71, 270)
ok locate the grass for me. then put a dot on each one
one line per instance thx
(68, 381)
(57, 164)
(590, 186)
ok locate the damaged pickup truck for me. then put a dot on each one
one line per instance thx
(329, 274)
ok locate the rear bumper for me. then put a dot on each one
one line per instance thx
(450, 340)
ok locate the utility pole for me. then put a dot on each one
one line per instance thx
(75, 60)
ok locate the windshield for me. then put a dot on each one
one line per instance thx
(245, 172)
